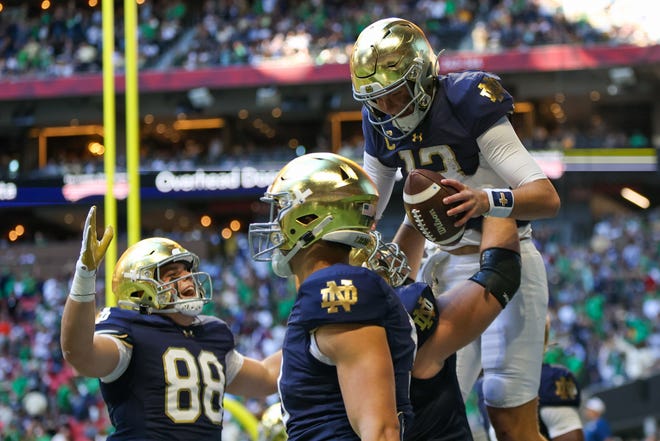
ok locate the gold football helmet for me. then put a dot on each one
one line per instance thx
(138, 286)
(386, 258)
(315, 196)
(390, 54)
(271, 427)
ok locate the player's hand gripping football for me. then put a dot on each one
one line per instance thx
(93, 250)
(470, 202)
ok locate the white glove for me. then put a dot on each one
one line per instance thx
(432, 271)
(83, 286)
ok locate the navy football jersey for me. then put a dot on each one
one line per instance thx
(465, 105)
(309, 389)
(558, 388)
(174, 385)
(437, 401)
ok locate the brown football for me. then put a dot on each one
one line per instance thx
(422, 199)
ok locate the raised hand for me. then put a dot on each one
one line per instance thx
(92, 249)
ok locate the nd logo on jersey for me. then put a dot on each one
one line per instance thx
(334, 296)
(565, 388)
(424, 314)
(491, 89)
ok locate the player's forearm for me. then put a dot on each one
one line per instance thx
(501, 233)
(91, 358)
(466, 311)
(375, 431)
(77, 333)
(411, 243)
(257, 378)
(535, 200)
(273, 364)
(371, 407)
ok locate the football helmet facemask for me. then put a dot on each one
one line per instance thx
(315, 196)
(137, 283)
(390, 54)
(385, 258)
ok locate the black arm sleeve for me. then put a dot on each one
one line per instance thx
(499, 273)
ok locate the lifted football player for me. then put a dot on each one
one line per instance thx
(457, 124)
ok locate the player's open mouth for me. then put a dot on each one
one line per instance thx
(188, 292)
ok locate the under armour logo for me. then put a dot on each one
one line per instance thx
(417, 137)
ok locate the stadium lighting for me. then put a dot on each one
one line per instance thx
(636, 198)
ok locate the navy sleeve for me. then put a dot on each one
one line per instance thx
(342, 294)
(114, 321)
(479, 100)
(371, 140)
(422, 307)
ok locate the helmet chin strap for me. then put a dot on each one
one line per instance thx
(280, 262)
(191, 307)
(408, 123)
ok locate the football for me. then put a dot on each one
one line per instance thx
(422, 199)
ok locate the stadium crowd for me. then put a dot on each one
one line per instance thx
(66, 39)
(605, 309)
(605, 290)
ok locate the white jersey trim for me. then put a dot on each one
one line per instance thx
(384, 178)
(234, 361)
(315, 351)
(125, 355)
(560, 419)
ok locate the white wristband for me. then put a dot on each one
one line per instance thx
(83, 286)
(500, 201)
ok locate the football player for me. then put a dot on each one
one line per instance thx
(457, 124)
(559, 402)
(349, 344)
(163, 367)
(447, 323)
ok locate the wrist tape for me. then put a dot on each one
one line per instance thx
(83, 285)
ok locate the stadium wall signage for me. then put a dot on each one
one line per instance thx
(84, 188)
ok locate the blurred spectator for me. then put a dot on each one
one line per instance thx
(64, 40)
(596, 427)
